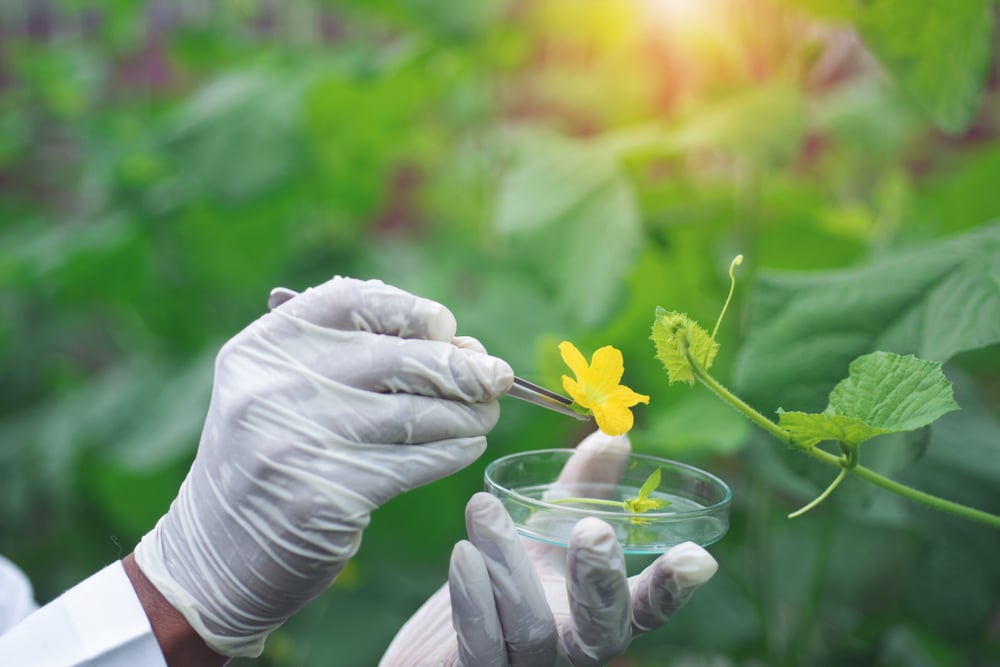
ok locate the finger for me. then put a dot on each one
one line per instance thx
(528, 625)
(289, 399)
(473, 610)
(600, 626)
(278, 296)
(424, 367)
(431, 461)
(404, 419)
(468, 343)
(599, 458)
(354, 479)
(460, 371)
(290, 387)
(666, 585)
(385, 363)
(355, 305)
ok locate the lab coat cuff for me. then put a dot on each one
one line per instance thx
(98, 622)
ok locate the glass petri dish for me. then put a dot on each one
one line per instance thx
(540, 504)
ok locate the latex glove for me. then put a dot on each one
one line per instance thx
(518, 602)
(325, 408)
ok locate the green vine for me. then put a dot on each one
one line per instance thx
(865, 404)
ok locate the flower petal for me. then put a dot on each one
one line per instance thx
(574, 359)
(607, 367)
(576, 392)
(613, 418)
(625, 396)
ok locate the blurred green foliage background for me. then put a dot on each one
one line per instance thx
(549, 169)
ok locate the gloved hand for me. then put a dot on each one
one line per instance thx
(511, 601)
(325, 408)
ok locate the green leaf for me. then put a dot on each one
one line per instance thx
(673, 333)
(884, 393)
(569, 216)
(33, 251)
(642, 502)
(966, 443)
(938, 52)
(550, 184)
(650, 484)
(806, 327)
(238, 136)
(961, 199)
(764, 123)
(893, 393)
(810, 429)
(871, 118)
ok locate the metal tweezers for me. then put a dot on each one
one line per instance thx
(532, 393)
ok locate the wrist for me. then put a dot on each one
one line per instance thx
(178, 641)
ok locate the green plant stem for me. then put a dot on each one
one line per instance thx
(929, 499)
(737, 402)
(821, 497)
(864, 473)
(620, 504)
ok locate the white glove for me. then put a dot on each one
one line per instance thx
(511, 601)
(325, 408)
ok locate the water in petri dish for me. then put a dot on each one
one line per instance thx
(683, 519)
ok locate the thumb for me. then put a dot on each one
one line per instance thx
(666, 585)
(599, 459)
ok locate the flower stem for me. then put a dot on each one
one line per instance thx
(620, 504)
(864, 473)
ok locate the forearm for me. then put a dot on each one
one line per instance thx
(180, 644)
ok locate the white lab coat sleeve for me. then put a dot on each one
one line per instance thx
(97, 623)
(16, 597)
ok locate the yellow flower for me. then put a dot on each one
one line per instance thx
(596, 387)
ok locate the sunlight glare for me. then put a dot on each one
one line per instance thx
(687, 15)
